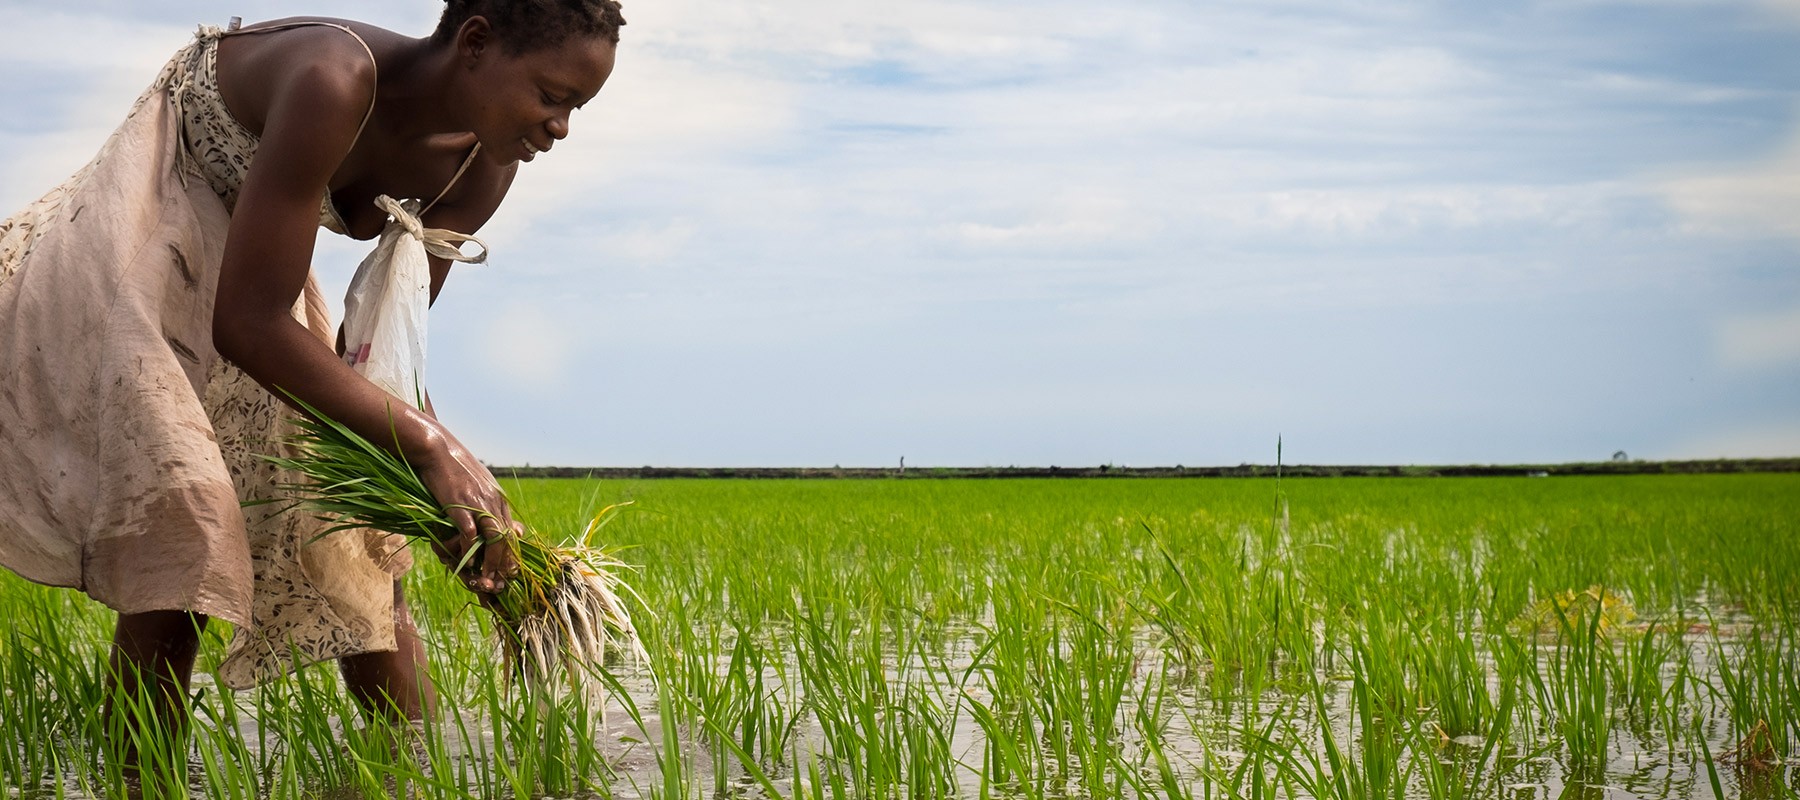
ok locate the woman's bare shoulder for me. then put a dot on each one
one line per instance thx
(317, 30)
(309, 57)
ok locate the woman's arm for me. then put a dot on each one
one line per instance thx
(314, 113)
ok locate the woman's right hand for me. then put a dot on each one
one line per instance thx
(472, 497)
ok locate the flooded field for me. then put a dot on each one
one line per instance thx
(1326, 638)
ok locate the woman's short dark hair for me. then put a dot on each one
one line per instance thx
(525, 25)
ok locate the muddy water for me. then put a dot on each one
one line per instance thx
(1640, 764)
(1206, 725)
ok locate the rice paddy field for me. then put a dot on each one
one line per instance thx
(1595, 637)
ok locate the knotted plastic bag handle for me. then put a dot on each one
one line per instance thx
(438, 241)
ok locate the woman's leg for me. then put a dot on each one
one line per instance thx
(396, 683)
(152, 660)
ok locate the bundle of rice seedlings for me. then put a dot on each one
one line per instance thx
(562, 613)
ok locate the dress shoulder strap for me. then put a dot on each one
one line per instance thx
(236, 29)
(473, 152)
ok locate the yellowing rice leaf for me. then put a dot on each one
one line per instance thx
(1576, 608)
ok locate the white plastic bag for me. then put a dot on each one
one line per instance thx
(384, 311)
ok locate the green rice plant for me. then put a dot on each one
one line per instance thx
(1156, 773)
(1520, 688)
(1004, 664)
(46, 680)
(1380, 652)
(882, 738)
(1576, 680)
(1451, 679)
(927, 727)
(708, 698)
(225, 759)
(145, 750)
(1471, 773)
(1682, 692)
(1222, 607)
(1639, 687)
(732, 695)
(546, 743)
(1257, 773)
(463, 761)
(562, 613)
(380, 759)
(1084, 693)
(1375, 770)
(1007, 613)
(1060, 673)
(305, 715)
(1761, 686)
(1447, 775)
(1163, 607)
(1474, 775)
(674, 778)
(756, 718)
(1010, 766)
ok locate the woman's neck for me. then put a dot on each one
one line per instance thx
(418, 93)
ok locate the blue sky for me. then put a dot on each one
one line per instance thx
(1138, 232)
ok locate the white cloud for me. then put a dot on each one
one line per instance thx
(1616, 84)
(1074, 219)
(821, 180)
(1752, 341)
(935, 35)
(43, 39)
(1758, 198)
(656, 107)
(1405, 212)
(653, 112)
(646, 243)
(89, 88)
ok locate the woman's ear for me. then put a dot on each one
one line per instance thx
(475, 37)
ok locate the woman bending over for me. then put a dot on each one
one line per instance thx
(150, 304)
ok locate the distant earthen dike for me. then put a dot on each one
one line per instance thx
(1178, 471)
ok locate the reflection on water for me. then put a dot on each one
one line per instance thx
(1209, 730)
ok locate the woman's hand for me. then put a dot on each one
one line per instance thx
(471, 496)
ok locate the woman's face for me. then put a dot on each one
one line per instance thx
(521, 103)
